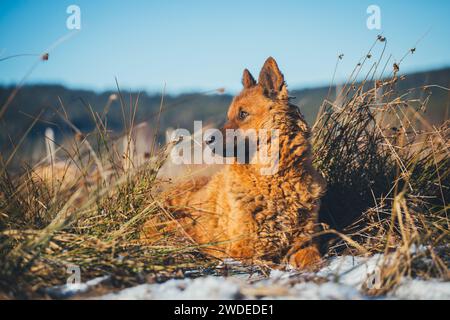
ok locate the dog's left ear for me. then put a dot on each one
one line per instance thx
(247, 79)
(271, 80)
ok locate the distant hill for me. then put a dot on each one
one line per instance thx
(179, 111)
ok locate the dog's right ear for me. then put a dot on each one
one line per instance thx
(247, 79)
(271, 80)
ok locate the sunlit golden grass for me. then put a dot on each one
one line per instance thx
(85, 211)
(388, 177)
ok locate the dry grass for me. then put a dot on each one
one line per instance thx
(388, 191)
(86, 211)
(388, 175)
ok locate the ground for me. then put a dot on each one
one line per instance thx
(342, 278)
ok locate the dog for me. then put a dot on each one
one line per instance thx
(242, 214)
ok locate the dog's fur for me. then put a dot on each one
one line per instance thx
(254, 217)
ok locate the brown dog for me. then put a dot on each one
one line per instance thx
(247, 215)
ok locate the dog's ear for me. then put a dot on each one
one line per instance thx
(271, 80)
(247, 79)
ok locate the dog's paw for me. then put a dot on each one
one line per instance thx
(306, 258)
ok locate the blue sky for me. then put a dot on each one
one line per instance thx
(202, 45)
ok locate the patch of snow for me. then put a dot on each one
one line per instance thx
(201, 288)
(326, 291)
(415, 289)
(351, 271)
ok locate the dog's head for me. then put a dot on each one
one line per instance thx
(253, 109)
(250, 109)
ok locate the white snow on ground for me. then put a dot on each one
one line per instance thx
(420, 289)
(342, 278)
(201, 288)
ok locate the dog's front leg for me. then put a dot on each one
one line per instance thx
(304, 255)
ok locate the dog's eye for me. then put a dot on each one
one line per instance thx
(243, 114)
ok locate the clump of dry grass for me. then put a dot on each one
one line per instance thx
(388, 175)
(51, 219)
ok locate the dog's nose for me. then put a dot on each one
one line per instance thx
(210, 140)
